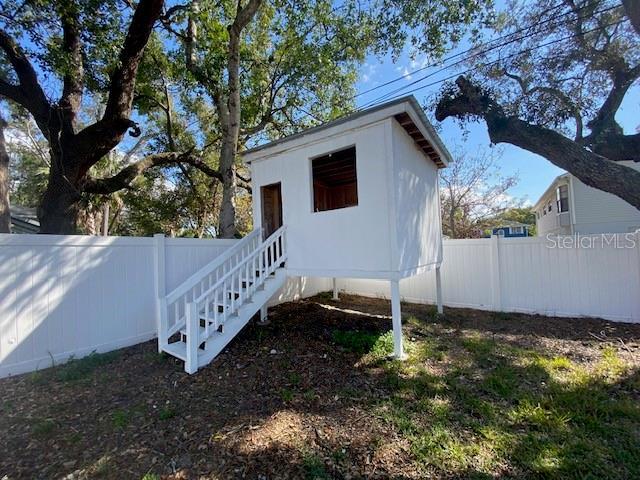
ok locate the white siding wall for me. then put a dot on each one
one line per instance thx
(526, 275)
(599, 212)
(416, 208)
(350, 241)
(552, 222)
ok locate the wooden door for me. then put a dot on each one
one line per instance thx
(271, 208)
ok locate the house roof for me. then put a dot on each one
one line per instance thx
(550, 188)
(512, 224)
(24, 220)
(406, 110)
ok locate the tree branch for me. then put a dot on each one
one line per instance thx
(632, 8)
(73, 81)
(592, 169)
(128, 174)
(108, 131)
(554, 92)
(29, 93)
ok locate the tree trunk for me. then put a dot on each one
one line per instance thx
(229, 112)
(227, 222)
(5, 213)
(59, 207)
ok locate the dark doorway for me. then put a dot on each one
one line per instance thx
(271, 208)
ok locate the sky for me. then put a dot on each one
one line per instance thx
(535, 173)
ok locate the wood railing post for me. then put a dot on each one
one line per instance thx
(191, 364)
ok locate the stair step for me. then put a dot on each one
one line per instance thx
(217, 341)
(177, 349)
(183, 331)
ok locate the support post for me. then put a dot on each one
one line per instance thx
(396, 315)
(191, 364)
(264, 315)
(439, 290)
(161, 302)
(335, 289)
(496, 282)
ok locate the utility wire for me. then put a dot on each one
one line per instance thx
(489, 42)
(377, 102)
(393, 93)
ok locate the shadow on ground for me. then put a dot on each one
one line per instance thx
(313, 396)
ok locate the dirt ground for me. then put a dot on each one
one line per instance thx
(282, 401)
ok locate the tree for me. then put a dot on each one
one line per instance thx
(524, 215)
(73, 42)
(555, 86)
(260, 63)
(472, 194)
(5, 212)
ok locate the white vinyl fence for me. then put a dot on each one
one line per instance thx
(67, 296)
(63, 296)
(594, 276)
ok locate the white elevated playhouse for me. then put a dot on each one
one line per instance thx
(353, 198)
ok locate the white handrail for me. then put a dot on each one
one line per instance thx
(194, 279)
(259, 249)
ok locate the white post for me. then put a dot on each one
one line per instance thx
(161, 304)
(439, 290)
(191, 364)
(494, 257)
(105, 219)
(335, 289)
(396, 316)
(264, 315)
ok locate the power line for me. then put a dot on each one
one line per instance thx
(451, 57)
(390, 96)
(489, 42)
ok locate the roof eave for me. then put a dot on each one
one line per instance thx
(412, 105)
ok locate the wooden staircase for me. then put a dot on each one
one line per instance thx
(201, 316)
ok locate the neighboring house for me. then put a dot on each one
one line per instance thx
(24, 220)
(353, 198)
(511, 229)
(570, 207)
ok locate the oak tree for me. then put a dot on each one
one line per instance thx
(554, 85)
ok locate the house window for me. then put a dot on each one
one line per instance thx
(517, 230)
(550, 207)
(335, 183)
(562, 198)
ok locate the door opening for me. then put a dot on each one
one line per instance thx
(271, 208)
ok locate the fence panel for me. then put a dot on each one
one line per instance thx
(64, 296)
(595, 276)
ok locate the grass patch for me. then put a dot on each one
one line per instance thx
(78, 369)
(120, 418)
(44, 427)
(355, 341)
(286, 395)
(166, 413)
(313, 467)
(494, 407)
